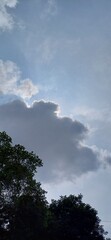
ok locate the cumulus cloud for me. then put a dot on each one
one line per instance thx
(59, 141)
(6, 20)
(11, 82)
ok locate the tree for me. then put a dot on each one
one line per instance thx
(71, 219)
(29, 221)
(24, 212)
(18, 188)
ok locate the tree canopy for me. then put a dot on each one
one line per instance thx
(18, 189)
(73, 219)
(24, 211)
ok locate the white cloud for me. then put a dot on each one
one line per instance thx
(47, 50)
(50, 9)
(11, 82)
(92, 114)
(6, 20)
(58, 141)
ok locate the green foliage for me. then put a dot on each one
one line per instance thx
(17, 186)
(29, 221)
(17, 168)
(24, 212)
(72, 219)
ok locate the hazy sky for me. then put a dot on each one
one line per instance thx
(55, 93)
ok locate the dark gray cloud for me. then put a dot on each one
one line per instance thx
(57, 140)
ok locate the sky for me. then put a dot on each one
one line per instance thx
(55, 84)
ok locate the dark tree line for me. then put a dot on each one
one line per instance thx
(24, 212)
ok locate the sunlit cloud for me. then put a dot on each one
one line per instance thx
(6, 19)
(12, 83)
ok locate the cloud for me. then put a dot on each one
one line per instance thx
(11, 82)
(58, 141)
(6, 20)
(50, 9)
(47, 50)
(92, 114)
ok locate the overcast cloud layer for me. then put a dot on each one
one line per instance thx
(58, 141)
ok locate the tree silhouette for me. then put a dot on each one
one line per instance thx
(71, 219)
(24, 211)
(19, 192)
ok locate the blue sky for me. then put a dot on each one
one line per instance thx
(55, 81)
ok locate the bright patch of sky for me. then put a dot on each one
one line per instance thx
(60, 52)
